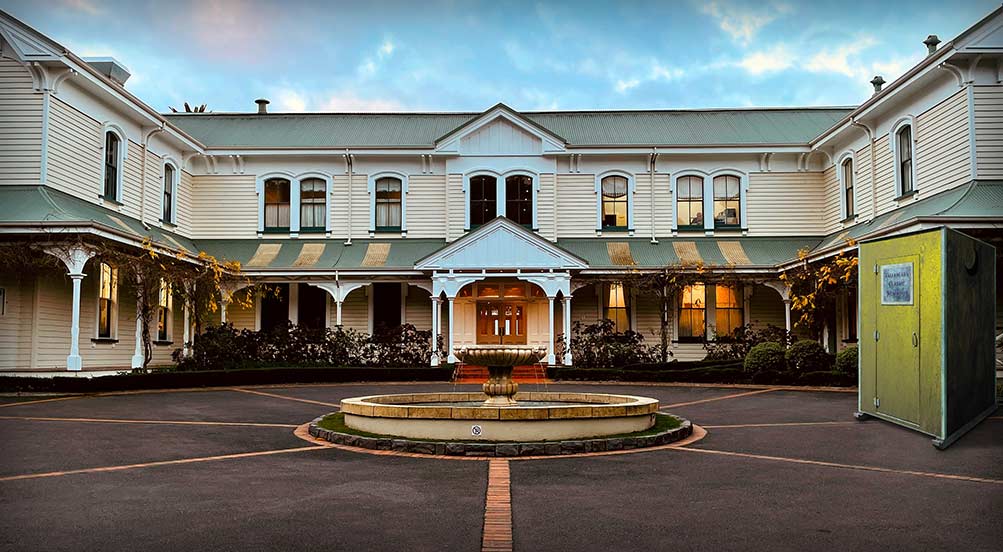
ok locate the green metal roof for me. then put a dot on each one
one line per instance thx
(581, 128)
(977, 199)
(760, 251)
(402, 254)
(45, 205)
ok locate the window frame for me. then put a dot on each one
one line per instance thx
(848, 211)
(739, 293)
(679, 315)
(112, 304)
(122, 155)
(174, 184)
(715, 200)
(324, 210)
(631, 190)
(501, 206)
(468, 199)
(264, 205)
(371, 188)
(902, 125)
(703, 203)
(165, 314)
(607, 291)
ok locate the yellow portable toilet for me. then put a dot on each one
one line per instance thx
(927, 317)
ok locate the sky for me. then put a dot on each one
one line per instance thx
(467, 55)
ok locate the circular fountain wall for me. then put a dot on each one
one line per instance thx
(533, 417)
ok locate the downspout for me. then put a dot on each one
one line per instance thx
(142, 173)
(870, 139)
(652, 158)
(349, 169)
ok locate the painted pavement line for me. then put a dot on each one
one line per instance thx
(127, 421)
(22, 403)
(497, 536)
(781, 424)
(823, 463)
(159, 463)
(273, 395)
(726, 397)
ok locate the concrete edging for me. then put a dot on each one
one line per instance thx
(506, 449)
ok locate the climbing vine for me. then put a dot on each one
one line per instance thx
(814, 287)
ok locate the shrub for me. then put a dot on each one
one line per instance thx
(599, 345)
(737, 345)
(808, 356)
(765, 357)
(846, 361)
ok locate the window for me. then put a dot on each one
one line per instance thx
(169, 190)
(112, 160)
(483, 199)
(729, 310)
(727, 201)
(846, 170)
(519, 199)
(616, 308)
(164, 312)
(388, 204)
(614, 203)
(106, 301)
(904, 156)
(692, 313)
(689, 202)
(276, 204)
(313, 205)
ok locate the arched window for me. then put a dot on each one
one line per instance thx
(614, 203)
(107, 298)
(313, 205)
(276, 205)
(519, 199)
(846, 172)
(170, 190)
(483, 199)
(727, 201)
(904, 160)
(388, 204)
(112, 165)
(689, 202)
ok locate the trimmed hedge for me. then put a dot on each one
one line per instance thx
(765, 357)
(806, 356)
(219, 378)
(846, 361)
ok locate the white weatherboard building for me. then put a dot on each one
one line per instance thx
(464, 222)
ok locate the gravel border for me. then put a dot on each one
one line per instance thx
(508, 449)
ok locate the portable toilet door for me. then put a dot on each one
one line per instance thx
(897, 337)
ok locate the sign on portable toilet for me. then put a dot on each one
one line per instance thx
(927, 317)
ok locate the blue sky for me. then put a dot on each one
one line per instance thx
(468, 55)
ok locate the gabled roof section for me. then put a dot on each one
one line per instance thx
(26, 44)
(986, 36)
(551, 142)
(501, 243)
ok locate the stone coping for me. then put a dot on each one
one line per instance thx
(506, 449)
(581, 405)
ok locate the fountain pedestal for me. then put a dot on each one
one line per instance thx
(500, 360)
(500, 388)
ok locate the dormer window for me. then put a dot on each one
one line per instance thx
(519, 199)
(689, 202)
(483, 199)
(276, 205)
(388, 204)
(614, 203)
(727, 201)
(904, 160)
(112, 166)
(313, 205)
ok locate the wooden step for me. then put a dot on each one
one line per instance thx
(469, 373)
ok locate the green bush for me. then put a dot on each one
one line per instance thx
(807, 356)
(765, 357)
(846, 361)
(737, 345)
(599, 345)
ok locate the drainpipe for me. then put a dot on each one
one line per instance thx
(651, 176)
(142, 173)
(870, 139)
(349, 169)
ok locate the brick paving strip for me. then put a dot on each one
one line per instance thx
(724, 398)
(127, 421)
(498, 509)
(276, 396)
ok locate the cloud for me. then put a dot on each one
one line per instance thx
(372, 64)
(774, 59)
(386, 49)
(292, 100)
(622, 86)
(742, 22)
(85, 6)
(230, 30)
(844, 60)
(350, 102)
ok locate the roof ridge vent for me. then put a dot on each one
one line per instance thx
(931, 44)
(109, 67)
(262, 105)
(878, 81)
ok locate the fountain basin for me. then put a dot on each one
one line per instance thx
(544, 417)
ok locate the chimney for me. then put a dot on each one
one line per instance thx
(878, 82)
(262, 105)
(931, 44)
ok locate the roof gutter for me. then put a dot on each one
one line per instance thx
(652, 159)
(349, 162)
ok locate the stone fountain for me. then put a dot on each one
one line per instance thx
(500, 360)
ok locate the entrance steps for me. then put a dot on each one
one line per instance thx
(469, 373)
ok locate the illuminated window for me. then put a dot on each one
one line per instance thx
(689, 202)
(313, 205)
(616, 307)
(727, 201)
(164, 317)
(107, 291)
(276, 204)
(388, 204)
(614, 203)
(692, 313)
(728, 310)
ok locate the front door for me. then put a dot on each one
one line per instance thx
(896, 385)
(501, 322)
